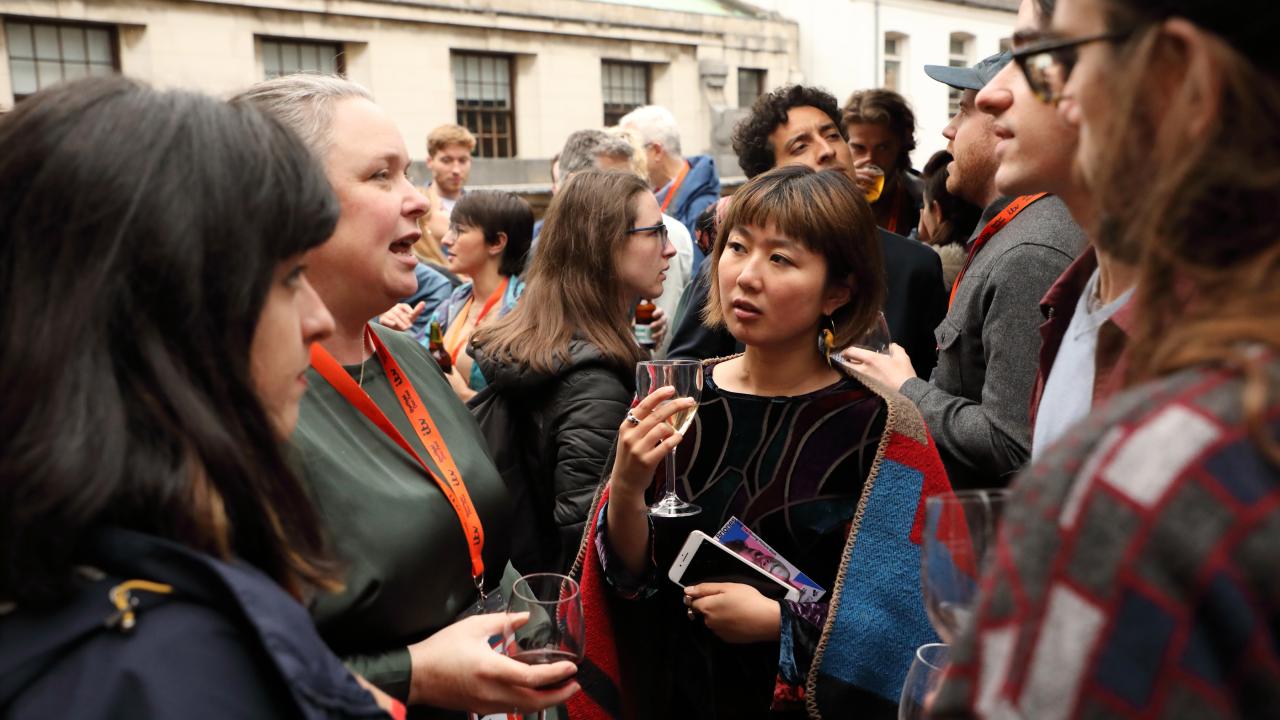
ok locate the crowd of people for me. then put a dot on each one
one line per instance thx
(282, 428)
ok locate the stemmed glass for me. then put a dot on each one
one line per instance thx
(959, 543)
(555, 630)
(686, 377)
(876, 339)
(922, 680)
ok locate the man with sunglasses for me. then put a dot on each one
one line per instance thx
(1087, 311)
(977, 399)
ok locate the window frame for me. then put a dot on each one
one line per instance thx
(339, 57)
(896, 58)
(113, 45)
(487, 141)
(615, 111)
(760, 76)
(965, 59)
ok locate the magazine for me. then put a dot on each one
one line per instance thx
(739, 538)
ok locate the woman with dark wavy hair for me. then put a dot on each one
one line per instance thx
(156, 316)
(1137, 562)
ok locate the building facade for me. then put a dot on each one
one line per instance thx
(846, 45)
(522, 74)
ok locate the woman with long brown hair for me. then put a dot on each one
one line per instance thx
(563, 361)
(1136, 567)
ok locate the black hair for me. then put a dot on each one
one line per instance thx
(751, 136)
(959, 217)
(140, 232)
(498, 211)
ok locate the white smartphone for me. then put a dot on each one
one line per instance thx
(704, 559)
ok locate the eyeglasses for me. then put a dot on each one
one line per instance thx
(1048, 65)
(659, 230)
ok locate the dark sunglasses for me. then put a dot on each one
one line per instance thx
(1048, 65)
(660, 230)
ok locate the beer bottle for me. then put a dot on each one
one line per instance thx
(435, 345)
(644, 318)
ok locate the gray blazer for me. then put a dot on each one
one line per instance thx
(976, 403)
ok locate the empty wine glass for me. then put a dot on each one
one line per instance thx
(922, 680)
(686, 377)
(959, 542)
(875, 339)
(555, 630)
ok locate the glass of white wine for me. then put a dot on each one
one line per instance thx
(686, 377)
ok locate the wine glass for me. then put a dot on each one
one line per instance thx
(876, 339)
(959, 543)
(922, 680)
(686, 377)
(555, 630)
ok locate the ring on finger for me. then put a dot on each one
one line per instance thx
(631, 418)
(692, 614)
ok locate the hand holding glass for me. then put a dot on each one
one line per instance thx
(555, 630)
(686, 377)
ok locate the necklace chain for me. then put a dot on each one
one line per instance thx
(363, 344)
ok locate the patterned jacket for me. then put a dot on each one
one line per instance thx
(1137, 567)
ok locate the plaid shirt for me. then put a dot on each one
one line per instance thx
(1138, 568)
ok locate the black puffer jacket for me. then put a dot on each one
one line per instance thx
(550, 435)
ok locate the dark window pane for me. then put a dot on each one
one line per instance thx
(99, 46)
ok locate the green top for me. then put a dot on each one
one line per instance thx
(407, 569)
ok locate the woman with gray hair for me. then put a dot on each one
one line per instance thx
(410, 499)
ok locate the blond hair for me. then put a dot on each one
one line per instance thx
(446, 135)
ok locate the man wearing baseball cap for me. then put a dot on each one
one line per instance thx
(976, 402)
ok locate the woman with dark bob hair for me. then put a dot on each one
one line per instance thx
(488, 240)
(156, 319)
(826, 467)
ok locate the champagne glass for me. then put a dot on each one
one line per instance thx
(555, 630)
(686, 377)
(959, 543)
(922, 680)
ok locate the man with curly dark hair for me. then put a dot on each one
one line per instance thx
(800, 125)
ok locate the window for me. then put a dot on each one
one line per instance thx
(895, 45)
(626, 87)
(43, 54)
(959, 55)
(750, 86)
(482, 89)
(286, 57)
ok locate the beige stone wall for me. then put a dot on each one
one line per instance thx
(401, 52)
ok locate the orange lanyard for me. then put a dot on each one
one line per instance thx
(892, 224)
(994, 225)
(455, 338)
(451, 484)
(675, 186)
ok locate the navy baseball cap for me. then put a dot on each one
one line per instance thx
(970, 78)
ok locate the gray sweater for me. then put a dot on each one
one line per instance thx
(976, 403)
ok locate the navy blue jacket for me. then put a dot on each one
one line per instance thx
(701, 187)
(227, 643)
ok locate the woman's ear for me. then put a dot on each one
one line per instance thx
(1199, 73)
(498, 245)
(838, 295)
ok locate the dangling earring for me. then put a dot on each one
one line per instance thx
(827, 339)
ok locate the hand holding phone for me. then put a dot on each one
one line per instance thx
(704, 560)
